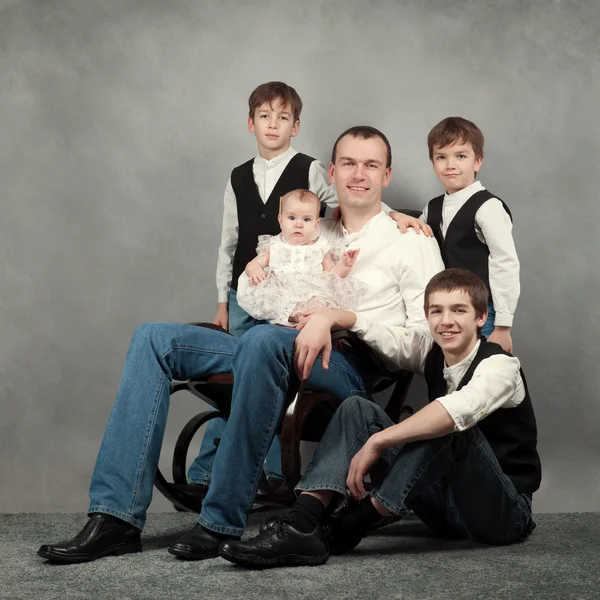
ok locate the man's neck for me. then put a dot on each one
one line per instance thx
(271, 154)
(354, 221)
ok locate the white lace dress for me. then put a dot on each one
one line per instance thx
(296, 282)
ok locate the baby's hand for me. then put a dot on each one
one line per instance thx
(349, 257)
(255, 273)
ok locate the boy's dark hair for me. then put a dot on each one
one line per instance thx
(305, 196)
(455, 129)
(459, 279)
(275, 91)
(364, 132)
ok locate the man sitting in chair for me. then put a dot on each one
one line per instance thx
(395, 267)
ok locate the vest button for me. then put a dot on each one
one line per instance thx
(263, 216)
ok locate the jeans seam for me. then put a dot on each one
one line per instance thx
(148, 437)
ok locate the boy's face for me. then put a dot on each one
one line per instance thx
(454, 324)
(455, 165)
(359, 172)
(274, 126)
(298, 221)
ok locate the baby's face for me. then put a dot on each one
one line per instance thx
(298, 221)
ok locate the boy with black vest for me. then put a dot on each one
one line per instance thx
(466, 463)
(472, 226)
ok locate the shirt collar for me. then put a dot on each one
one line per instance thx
(464, 195)
(364, 229)
(461, 367)
(269, 164)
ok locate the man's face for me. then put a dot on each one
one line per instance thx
(298, 221)
(359, 171)
(453, 323)
(455, 165)
(273, 125)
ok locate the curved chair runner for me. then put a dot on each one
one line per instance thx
(307, 413)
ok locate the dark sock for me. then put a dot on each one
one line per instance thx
(306, 514)
(357, 521)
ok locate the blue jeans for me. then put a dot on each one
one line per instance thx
(239, 320)
(261, 361)
(488, 326)
(454, 483)
(199, 472)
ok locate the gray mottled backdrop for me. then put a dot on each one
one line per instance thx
(121, 120)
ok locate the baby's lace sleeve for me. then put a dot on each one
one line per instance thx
(336, 251)
(264, 243)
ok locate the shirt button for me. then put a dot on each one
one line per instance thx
(263, 216)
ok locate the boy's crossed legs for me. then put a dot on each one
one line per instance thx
(453, 483)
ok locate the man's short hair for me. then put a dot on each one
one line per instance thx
(459, 279)
(455, 129)
(304, 196)
(364, 132)
(275, 92)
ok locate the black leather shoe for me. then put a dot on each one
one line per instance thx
(279, 546)
(103, 535)
(198, 544)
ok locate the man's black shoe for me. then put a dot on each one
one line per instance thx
(103, 535)
(280, 545)
(198, 544)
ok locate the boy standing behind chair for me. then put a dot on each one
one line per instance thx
(254, 188)
(472, 226)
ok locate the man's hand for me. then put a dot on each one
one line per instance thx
(361, 464)
(404, 222)
(314, 337)
(349, 257)
(255, 273)
(222, 317)
(501, 335)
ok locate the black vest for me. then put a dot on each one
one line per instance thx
(511, 432)
(256, 217)
(462, 248)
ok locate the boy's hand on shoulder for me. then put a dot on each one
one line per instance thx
(501, 336)
(255, 273)
(405, 221)
(222, 317)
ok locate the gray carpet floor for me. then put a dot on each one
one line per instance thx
(561, 560)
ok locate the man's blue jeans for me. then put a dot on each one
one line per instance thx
(199, 472)
(454, 483)
(261, 361)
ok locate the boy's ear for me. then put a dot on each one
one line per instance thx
(478, 162)
(250, 124)
(296, 128)
(482, 319)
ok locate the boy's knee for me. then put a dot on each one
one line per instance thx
(356, 405)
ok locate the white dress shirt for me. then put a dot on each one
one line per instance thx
(493, 227)
(396, 268)
(266, 174)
